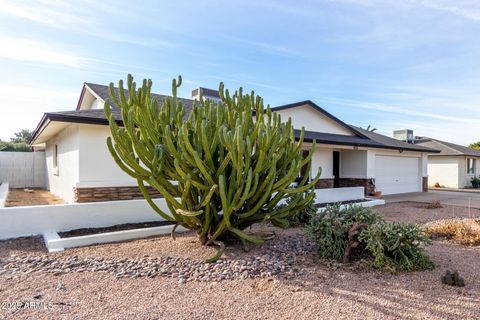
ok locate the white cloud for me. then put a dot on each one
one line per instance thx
(35, 51)
(24, 93)
(465, 9)
(397, 109)
(52, 13)
(22, 106)
(269, 48)
(82, 18)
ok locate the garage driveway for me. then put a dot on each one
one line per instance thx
(453, 198)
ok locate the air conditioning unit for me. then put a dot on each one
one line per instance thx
(404, 135)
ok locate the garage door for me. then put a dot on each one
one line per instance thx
(397, 174)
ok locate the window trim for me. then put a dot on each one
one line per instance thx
(474, 166)
(55, 160)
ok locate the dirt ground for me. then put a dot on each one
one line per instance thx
(32, 197)
(319, 289)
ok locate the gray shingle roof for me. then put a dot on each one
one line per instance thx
(447, 148)
(392, 142)
(361, 138)
(379, 141)
(102, 92)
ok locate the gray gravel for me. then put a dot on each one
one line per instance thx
(276, 258)
(308, 287)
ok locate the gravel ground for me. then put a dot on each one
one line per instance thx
(35, 197)
(306, 288)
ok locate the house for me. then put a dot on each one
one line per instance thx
(454, 166)
(81, 169)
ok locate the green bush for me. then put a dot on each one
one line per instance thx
(393, 246)
(15, 147)
(330, 228)
(396, 246)
(475, 182)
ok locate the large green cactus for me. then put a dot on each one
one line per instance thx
(221, 168)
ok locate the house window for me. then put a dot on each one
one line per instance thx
(471, 166)
(55, 156)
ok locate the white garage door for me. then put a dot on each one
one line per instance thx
(397, 174)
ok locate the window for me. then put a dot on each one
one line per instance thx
(55, 156)
(471, 166)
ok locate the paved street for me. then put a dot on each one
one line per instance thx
(464, 199)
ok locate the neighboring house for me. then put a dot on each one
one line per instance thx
(81, 169)
(454, 166)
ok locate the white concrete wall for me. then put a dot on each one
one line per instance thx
(97, 167)
(353, 164)
(34, 220)
(323, 157)
(312, 120)
(339, 194)
(444, 170)
(62, 179)
(464, 178)
(23, 169)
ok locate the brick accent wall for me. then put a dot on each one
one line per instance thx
(111, 194)
(324, 184)
(354, 182)
(425, 184)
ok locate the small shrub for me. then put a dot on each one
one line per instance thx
(475, 182)
(341, 233)
(463, 231)
(434, 205)
(453, 279)
(330, 228)
(397, 246)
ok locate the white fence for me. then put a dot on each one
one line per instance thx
(23, 169)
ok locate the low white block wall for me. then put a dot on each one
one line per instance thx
(366, 204)
(339, 194)
(56, 244)
(35, 220)
(3, 193)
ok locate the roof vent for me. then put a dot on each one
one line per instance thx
(206, 93)
(404, 135)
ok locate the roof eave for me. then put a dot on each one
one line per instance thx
(55, 117)
(313, 105)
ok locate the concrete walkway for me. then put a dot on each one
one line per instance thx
(453, 198)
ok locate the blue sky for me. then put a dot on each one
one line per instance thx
(392, 64)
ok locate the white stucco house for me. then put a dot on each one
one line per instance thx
(454, 166)
(81, 169)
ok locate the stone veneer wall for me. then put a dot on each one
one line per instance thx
(324, 184)
(425, 184)
(355, 182)
(111, 194)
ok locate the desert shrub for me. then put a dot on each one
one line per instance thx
(453, 279)
(475, 182)
(463, 231)
(330, 227)
(396, 245)
(434, 205)
(393, 246)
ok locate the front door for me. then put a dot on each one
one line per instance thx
(336, 169)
